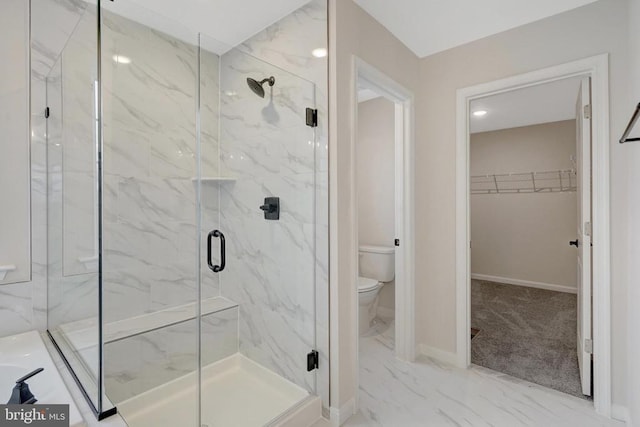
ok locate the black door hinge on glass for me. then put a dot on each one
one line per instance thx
(312, 360)
(312, 117)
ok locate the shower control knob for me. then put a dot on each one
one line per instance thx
(271, 208)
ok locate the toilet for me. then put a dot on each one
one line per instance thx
(376, 267)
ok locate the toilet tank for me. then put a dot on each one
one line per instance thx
(377, 262)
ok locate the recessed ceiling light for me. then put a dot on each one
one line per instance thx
(320, 52)
(121, 59)
(480, 113)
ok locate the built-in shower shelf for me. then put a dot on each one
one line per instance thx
(83, 333)
(214, 179)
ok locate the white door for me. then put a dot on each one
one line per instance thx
(583, 243)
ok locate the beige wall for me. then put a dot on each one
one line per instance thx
(352, 32)
(632, 154)
(376, 180)
(524, 237)
(600, 27)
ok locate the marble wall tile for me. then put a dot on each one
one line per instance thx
(137, 364)
(267, 146)
(14, 131)
(16, 308)
(52, 23)
(288, 44)
(149, 132)
(70, 149)
(150, 234)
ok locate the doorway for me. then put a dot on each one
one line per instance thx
(524, 203)
(387, 232)
(597, 317)
(375, 151)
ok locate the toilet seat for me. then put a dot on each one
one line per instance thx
(365, 284)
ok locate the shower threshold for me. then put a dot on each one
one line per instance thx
(235, 392)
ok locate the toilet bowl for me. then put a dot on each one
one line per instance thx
(368, 290)
(376, 267)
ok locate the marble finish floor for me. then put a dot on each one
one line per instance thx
(427, 393)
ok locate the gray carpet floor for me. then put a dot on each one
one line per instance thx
(527, 333)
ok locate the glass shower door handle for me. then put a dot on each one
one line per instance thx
(216, 268)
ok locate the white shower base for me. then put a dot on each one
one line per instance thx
(235, 392)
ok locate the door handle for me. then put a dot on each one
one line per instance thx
(575, 243)
(216, 268)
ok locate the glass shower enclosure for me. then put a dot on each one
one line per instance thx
(181, 223)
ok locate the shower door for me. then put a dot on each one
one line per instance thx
(150, 234)
(258, 222)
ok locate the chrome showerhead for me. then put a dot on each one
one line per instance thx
(257, 86)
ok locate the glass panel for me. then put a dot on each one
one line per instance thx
(72, 189)
(253, 148)
(150, 229)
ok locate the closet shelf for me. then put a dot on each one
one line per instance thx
(559, 181)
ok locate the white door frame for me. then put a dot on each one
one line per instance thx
(596, 67)
(404, 205)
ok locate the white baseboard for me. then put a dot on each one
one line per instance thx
(339, 416)
(442, 356)
(620, 413)
(518, 282)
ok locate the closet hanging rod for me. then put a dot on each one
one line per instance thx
(632, 123)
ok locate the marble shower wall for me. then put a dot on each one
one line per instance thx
(150, 230)
(267, 146)
(209, 161)
(24, 305)
(288, 44)
(16, 313)
(137, 364)
(72, 178)
(150, 143)
(149, 127)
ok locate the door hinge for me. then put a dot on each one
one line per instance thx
(396, 242)
(312, 117)
(587, 111)
(47, 113)
(588, 346)
(587, 229)
(312, 360)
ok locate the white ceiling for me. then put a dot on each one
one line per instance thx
(226, 23)
(551, 102)
(430, 26)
